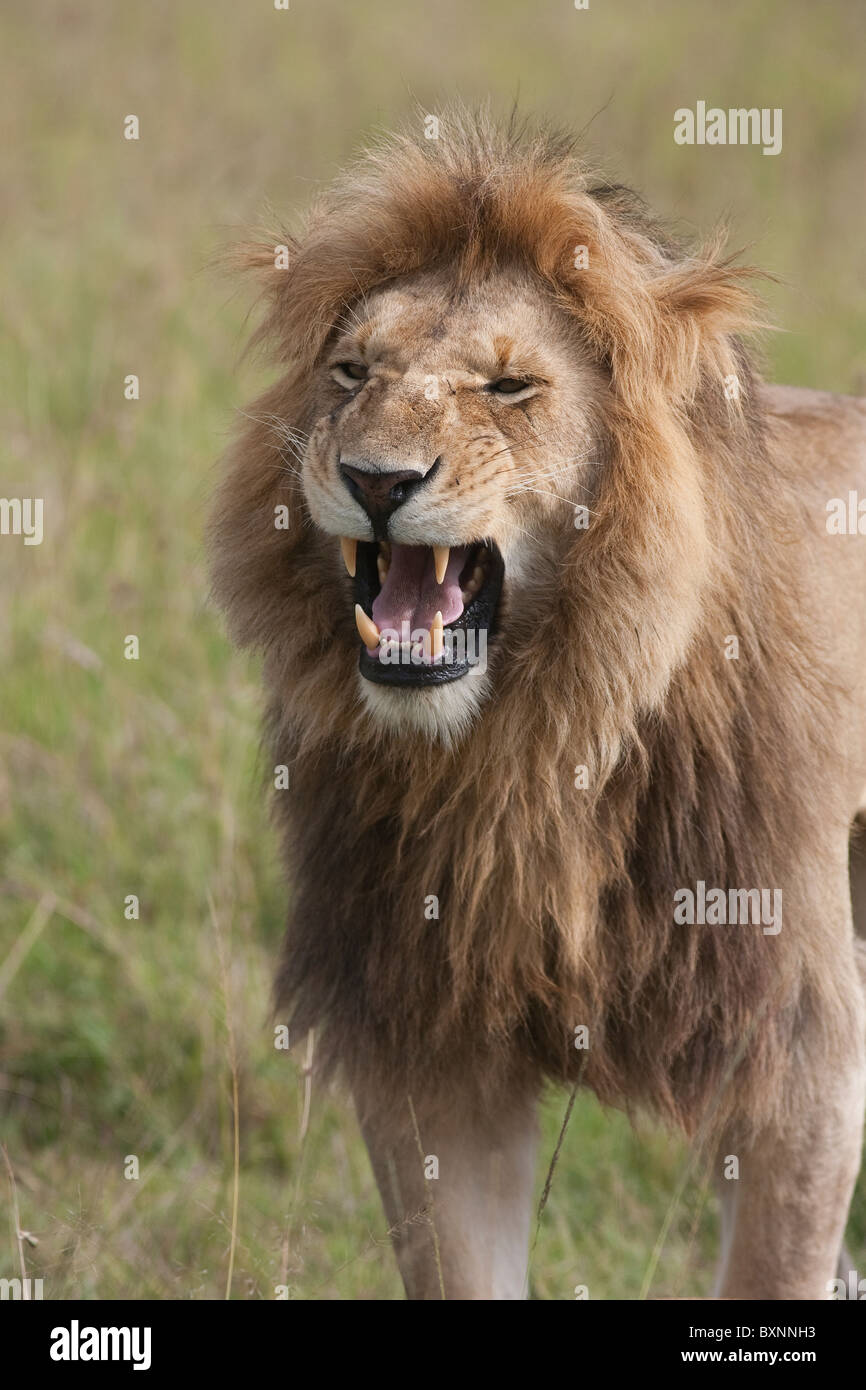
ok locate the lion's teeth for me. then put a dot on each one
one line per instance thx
(382, 567)
(349, 548)
(478, 576)
(367, 629)
(440, 561)
(437, 638)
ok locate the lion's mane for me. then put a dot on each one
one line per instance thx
(555, 903)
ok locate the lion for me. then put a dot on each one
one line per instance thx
(565, 661)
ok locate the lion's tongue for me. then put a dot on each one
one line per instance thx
(410, 592)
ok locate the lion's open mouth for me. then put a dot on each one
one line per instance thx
(424, 613)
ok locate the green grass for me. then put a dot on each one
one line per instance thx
(142, 777)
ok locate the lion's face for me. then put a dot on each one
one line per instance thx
(457, 383)
(451, 434)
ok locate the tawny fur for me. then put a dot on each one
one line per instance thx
(555, 904)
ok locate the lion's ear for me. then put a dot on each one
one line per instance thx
(662, 321)
(702, 304)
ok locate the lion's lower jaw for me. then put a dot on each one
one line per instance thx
(442, 713)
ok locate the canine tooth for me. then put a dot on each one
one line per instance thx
(349, 548)
(440, 560)
(437, 637)
(367, 629)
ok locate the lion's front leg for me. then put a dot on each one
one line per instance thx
(456, 1185)
(784, 1213)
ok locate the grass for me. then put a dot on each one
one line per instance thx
(150, 1037)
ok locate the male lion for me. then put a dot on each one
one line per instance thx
(567, 669)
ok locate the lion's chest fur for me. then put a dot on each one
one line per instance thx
(442, 918)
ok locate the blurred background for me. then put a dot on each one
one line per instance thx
(123, 1037)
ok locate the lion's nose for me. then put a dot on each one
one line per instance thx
(380, 494)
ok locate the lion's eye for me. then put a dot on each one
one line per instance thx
(509, 385)
(348, 374)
